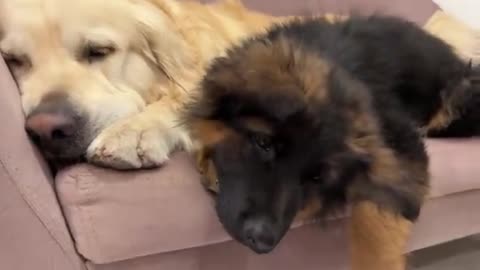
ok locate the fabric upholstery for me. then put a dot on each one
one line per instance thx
(31, 223)
(170, 204)
(311, 247)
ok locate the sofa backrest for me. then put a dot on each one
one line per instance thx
(415, 10)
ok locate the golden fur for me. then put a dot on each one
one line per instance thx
(158, 49)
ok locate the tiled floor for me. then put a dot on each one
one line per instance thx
(462, 254)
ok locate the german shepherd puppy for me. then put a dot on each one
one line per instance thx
(313, 115)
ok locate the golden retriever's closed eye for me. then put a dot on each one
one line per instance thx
(105, 79)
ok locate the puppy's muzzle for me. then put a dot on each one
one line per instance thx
(258, 234)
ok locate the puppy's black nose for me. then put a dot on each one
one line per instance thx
(259, 235)
(50, 126)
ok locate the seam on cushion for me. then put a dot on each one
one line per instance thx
(226, 238)
(230, 240)
(455, 193)
(86, 215)
(452, 193)
(460, 193)
(32, 208)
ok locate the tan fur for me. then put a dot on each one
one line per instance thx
(210, 132)
(256, 125)
(378, 238)
(207, 170)
(310, 211)
(132, 98)
(441, 120)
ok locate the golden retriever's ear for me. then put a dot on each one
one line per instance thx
(165, 43)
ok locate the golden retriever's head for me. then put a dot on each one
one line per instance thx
(81, 65)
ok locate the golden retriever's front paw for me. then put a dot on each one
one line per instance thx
(128, 147)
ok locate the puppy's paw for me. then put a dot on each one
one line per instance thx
(131, 145)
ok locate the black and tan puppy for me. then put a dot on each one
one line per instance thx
(313, 115)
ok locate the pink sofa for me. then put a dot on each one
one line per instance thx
(90, 218)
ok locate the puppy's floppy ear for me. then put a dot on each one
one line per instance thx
(165, 44)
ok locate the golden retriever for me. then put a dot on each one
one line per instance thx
(104, 80)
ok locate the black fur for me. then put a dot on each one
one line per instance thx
(468, 122)
(387, 79)
(390, 55)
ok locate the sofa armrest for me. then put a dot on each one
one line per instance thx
(33, 234)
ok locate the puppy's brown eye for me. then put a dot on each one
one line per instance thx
(263, 142)
(311, 179)
(95, 53)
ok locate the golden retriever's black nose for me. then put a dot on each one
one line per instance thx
(50, 126)
(58, 128)
(259, 234)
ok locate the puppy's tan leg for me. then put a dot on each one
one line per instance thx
(207, 170)
(378, 238)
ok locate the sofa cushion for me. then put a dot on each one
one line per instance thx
(403, 8)
(115, 216)
(315, 247)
